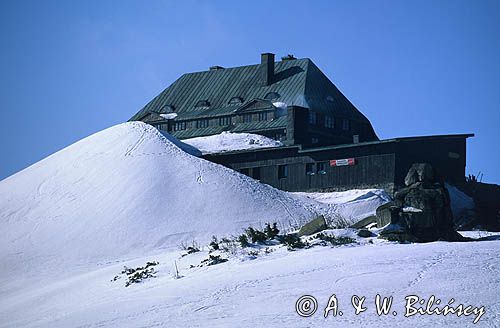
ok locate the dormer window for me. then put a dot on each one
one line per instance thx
(235, 101)
(167, 109)
(272, 96)
(202, 103)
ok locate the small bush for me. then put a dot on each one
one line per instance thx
(253, 253)
(228, 245)
(213, 260)
(190, 249)
(256, 236)
(335, 241)
(243, 240)
(292, 241)
(214, 244)
(135, 275)
(271, 231)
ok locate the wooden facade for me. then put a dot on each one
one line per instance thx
(381, 164)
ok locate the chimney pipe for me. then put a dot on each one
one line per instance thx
(266, 68)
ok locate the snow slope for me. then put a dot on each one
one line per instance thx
(351, 205)
(262, 292)
(122, 192)
(227, 141)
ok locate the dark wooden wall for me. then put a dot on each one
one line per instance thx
(446, 155)
(378, 165)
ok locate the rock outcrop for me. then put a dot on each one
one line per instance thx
(420, 212)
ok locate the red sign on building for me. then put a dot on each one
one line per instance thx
(343, 162)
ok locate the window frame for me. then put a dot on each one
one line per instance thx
(202, 123)
(321, 168)
(346, 124)
(310, 169)
(282, 171)
(313, 117)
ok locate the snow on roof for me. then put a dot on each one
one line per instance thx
(227, 141)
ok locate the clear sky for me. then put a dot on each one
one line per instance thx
(69, 69)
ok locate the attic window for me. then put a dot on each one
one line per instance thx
(329, 99)
(235, 100)
(167, 109)
(272, 96)
(202, 103)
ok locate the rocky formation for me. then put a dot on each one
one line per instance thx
(420, 212)
(314, 226)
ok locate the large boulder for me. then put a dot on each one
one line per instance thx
(312, 227)
(419, 172)
(420, 212)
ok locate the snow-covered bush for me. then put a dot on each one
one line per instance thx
(135, 275)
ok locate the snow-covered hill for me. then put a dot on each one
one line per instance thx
(125, 191)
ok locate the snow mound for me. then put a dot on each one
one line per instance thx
(352, 205)
(125, 191)
(227, 141)
(459, 201)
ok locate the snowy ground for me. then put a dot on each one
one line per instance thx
(262, 292)
(128, 195)
(351, 205)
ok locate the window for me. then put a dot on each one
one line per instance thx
(235, 101)
(246, 118)
(345, 124)
(226, 120)
(329, 122)
(256, 173)
(162, 127)
(282, 171)
(263, 116)
(202, 103)
(279, 137)
(201, 124)
(330, 99)
(272, 96)
(314, 140)
(309, 168)
(167, 109)
(312, 117)
(321, 168)
(178, 126)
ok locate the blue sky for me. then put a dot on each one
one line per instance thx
(69, 69)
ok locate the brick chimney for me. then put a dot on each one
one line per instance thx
(266, 69)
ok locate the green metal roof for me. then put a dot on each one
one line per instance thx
(261, 125)
(192, 133)
(298, 82)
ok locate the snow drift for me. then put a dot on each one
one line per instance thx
(351, 205)
(125, 191)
